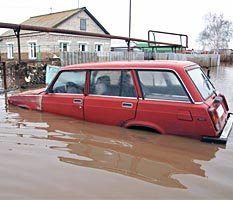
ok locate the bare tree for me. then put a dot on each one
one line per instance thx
(217, 33)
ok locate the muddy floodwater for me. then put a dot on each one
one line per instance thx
(46, 156)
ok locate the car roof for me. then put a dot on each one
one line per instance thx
(153, 64)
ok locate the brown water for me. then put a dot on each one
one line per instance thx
(46, 156)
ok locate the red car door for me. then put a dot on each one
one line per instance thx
(112, 97)
(109, 110)
(166, 106)
(64, 104)
(66, 95)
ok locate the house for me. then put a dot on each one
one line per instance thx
(41, 46)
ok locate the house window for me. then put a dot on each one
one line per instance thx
(64, 46)
(98, 47)
(10, 51)
(32, 50)
(83, 47)
(83, 24)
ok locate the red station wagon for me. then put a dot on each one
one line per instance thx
(171, 97)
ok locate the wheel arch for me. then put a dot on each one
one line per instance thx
(144, 124)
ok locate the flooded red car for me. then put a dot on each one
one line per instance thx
(170, 97)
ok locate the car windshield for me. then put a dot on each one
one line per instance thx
(202, 82)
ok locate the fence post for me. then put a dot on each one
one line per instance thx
(5, 83)
(4, 75)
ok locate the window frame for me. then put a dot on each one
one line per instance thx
(83, 24)
(61, 45)
(206, 79)
(190, 100)
(120, 89)
(10, 50)
(32, 51)
(85, 44)
(51, 86)
(101, 45)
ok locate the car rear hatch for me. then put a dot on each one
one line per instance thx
(221, 118)
(217, 106)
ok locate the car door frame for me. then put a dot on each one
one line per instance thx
(111, 110)
(70, 105)
(165, 116)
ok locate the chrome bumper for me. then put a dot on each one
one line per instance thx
(222, 139)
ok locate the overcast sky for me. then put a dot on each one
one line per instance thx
(179, 16)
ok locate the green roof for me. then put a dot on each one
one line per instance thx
(146, 47)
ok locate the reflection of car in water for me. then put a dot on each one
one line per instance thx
(170, 97)
(142, 155)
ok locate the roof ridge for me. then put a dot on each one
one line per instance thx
(58, 12)
(53, 20)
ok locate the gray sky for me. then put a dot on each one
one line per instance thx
(180, 16)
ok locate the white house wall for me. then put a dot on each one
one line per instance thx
(49, 42)
(73, 23)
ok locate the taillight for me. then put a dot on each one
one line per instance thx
(215, 118)
(225, 102)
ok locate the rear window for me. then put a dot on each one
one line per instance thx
(161, 85)
(202, 82)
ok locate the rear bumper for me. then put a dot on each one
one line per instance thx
(222, 138)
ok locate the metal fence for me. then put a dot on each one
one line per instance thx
(70, 58)
(24, 75)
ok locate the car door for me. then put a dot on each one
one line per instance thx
(66, 95)
(112, 97)
(165, 105)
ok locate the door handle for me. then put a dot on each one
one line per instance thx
(77, 101)
(127, 105)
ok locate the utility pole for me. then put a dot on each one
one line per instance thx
(129, 25)
(17, 34)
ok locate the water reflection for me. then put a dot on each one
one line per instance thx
(138, 154)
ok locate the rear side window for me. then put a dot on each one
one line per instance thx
(162, 85)
(112, 83)
(202, 82)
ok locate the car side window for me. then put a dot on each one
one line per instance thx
(71, 82)
(162, 85)
(112, 83)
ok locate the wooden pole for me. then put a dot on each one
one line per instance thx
(4, 76)
(129, 25)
